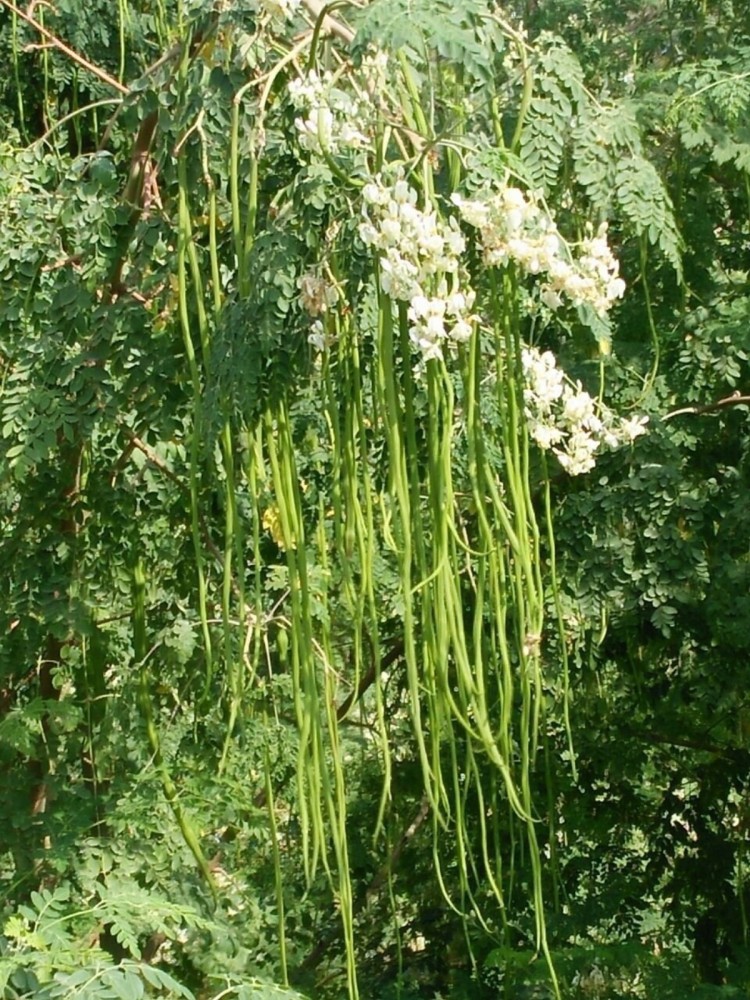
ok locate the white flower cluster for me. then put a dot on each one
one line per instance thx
(514, 227)
(419, 264)
(565, 419)
(326, 115)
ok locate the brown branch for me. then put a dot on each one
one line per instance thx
(151, 455)
(199, 39)
(135, 442)
(388, 866)
(687, 743)
(53, 40)
(368, 679)
(736, 399)
(132, 195)
(74, 262)
(327, 939)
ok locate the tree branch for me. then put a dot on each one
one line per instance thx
(689, 743)
(100, 74)
(316, 956)
(382, 874)
(135, 442)
(736, 399)
(369, 678)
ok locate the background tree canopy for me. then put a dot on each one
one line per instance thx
(374, 467)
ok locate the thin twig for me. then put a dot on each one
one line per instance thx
(135, 442)
(100, 74)
(152, 456)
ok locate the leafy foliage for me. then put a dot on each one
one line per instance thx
(155, 376)
(559, 97)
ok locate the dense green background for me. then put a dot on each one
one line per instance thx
(647, 847)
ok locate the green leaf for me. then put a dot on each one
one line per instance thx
(126, 985)
(161, 980)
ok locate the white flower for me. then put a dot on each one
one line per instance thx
(368, 233)
(418, 251)
(545, 435)
(578, 456)
(390, 230)
(403, 193)
(610, 438)
(435, 327)
(374, 194)
(513, 198)
(514, 227)
(456, 304)
(351, 136)
(398, 276)
(545, 381)
(317, 130)
(420, 307)
(431, 351)
(578, 408)
(430, 241)
(564, 418)
(328, 115)
(317, 336)
(615, 289)
(461, 331)
(550, 297)
(633, 427)
(454, 240)
(475, 213)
